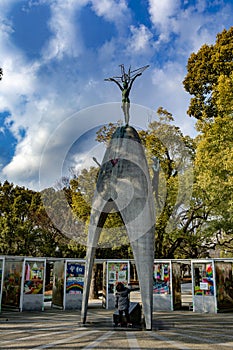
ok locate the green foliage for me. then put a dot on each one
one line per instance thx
(203, 71)
(103, 135)
(17, 230)
(214, 164)
(82, 189)
(175, 152)
(210, 82)
(25, 227)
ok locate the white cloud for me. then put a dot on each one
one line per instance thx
(5, 5)
(17, 86)
(108, 49)
(162, 11)
(194, 29)
(85, 160)
(24, 166)
(163, 16)
(171, 95)
(111, 10)
(42, 94)
(66, 36)
(36, 103)
(192, 26)
(140, 40)
(65, 39)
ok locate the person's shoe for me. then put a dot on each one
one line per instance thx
(129, 324)
(119, 324)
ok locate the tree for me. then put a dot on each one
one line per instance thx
(210, 81)
(18, 232)
(214, 162)
(82, 188)
(56, 217)
(175, 152)
(26, 228)
(203, 71)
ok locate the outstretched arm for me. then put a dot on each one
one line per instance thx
(131, 83)
(115, 81)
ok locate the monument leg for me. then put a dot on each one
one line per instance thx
(144, 260)
(91, 249)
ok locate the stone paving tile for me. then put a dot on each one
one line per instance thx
(57, 329)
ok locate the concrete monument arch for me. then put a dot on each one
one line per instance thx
(124, 185)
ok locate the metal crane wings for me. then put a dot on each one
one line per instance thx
(129, 75)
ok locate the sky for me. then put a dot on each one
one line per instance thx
(55, 55)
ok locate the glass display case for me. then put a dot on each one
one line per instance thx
(114, 272)
(204, 291)
(162, 286)
(2, 264)
(74, 283)
(33, 284)
(12, 283)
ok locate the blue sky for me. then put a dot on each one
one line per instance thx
(56, 54)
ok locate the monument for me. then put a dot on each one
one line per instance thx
(124, 185)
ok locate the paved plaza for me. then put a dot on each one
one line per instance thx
(58, 329)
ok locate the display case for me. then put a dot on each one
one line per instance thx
(12, 283)
(2, 264)
(204, 287)
(114, 272)
(68, 283)
(162, 286)
(176, 285)
(74, 284)
(224, 284)
(33, 284)
(58, 284)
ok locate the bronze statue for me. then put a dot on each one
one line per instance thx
(125, 82)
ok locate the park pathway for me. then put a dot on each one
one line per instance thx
(58, 329)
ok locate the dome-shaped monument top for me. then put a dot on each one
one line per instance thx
(125, 82)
